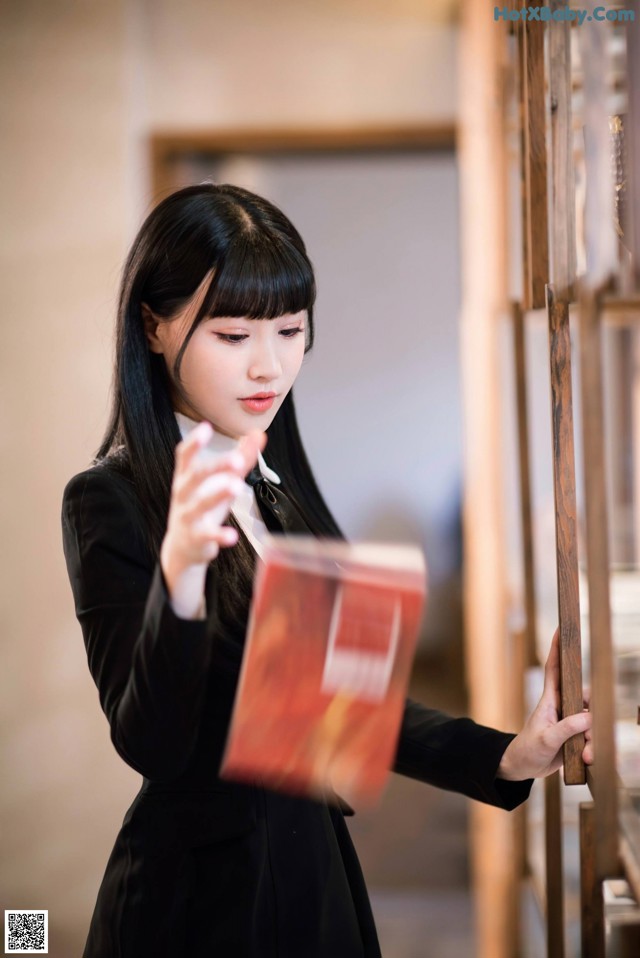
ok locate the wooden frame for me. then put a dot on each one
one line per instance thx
(605, 852)
(164, 147)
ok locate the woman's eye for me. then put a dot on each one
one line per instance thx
(290, 333)
(240, 337)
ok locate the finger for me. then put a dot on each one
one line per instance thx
(587, 754)
(197, 438)
(556, 735)
(211, 531)
(222, 537)
(229, 462)
(215, 490)
(225, 536)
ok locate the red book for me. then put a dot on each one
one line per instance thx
(331, 638)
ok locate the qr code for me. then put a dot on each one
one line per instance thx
(26, 932)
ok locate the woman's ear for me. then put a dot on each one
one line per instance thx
(151, 325)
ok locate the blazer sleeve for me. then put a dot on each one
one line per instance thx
(456, 754)
(149, 665)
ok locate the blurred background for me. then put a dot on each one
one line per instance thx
(342, 112)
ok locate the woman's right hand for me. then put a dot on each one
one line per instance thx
(202, 492)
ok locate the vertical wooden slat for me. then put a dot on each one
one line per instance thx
(518, 821)
(553, 866)
(563, 192)
(600, 235)
(635, 440)
(597, 553)
(482, 164)
(564, 486)
(522, 125)
(535, 164)
(524, 469)
(632, 132)
(591, 900)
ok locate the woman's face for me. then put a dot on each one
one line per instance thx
(227, 361)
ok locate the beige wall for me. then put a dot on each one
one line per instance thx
(82, 83)
(63, 216)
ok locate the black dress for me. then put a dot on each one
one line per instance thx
(203, 867)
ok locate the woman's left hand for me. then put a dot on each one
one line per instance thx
(537, 750)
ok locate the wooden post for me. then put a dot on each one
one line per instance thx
(564, 485)
(601, 240)
(632, 132)
(484, 305)
(597, 551)
(534, 161)
(563, 191)
(525, 210)
(635, 445)
(531, 658)
(591, 901)
(554, 879)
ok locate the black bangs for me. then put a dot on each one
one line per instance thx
(261, 277)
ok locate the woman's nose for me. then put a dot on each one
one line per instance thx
(265, 365)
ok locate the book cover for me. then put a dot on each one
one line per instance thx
(330, 643)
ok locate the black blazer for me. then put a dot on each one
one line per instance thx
(204, 867)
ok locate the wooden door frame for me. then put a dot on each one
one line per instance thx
(165, 147)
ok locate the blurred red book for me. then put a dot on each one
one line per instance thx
(330, 643)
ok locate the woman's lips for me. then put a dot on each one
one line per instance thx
(258, 405)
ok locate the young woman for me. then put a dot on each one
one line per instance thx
(215, 316)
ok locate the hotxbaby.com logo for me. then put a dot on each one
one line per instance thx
(564, 14)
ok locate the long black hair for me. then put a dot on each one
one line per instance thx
(259, 269)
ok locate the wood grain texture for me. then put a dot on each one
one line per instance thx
(591, 900)
(564, 487)
(535, 165)
(553, 871)
(524, 472)
(563, 191)
(597, 555)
